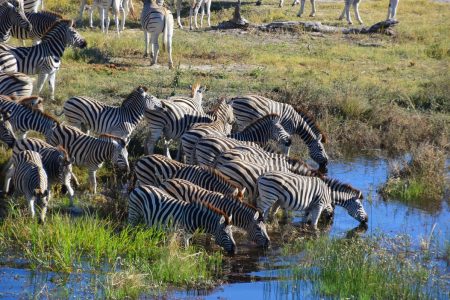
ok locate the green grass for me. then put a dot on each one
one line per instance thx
(134, 259)
(358, 269)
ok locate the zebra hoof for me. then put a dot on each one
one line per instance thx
(171, 66)
(145, 55)
(312, 15)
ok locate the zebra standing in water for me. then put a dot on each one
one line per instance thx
(6, 133)
(310, 194)
(223, 120)
(11, 16)
(89, 114)
(244, 215)
(56, 162)
(156, 208)
(295, 121)
(157, 19)
(25, 118)
(90, 152)
(43, 59)
(29, 178)
(154, 169)
(41, 22)
(15, 84)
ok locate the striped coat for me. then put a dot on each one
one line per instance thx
(6, 132)
(41, 22)
(11, 16)
(15, 84)
(155, 208)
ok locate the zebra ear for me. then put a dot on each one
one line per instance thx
(230, 217)
(222, 220)
(256, 216)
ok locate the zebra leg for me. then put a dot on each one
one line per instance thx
(146, 43)
(102, 18)
(313, 9)
(166, 148)
(202, 15)
(31, 204)
(43, 209)
(155, 48)
(80, 14)
(208, 12)
(116, 20)
(52, 83)
(356, 8)
(91, 17)
(191, 12)
(92, 181)
(152, 138)
(281, 3)
(341, 17)
(179, 14)
(124, 8)
(9, 174)
(108, 20)
(315, 215)
(302, 8)
(42, 78)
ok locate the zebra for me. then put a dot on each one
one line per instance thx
(194, 102)
(195, 7)
(25, 118)
(89, 114)
(302, 7)
(223, 120)
(56, 162)
(125, 6)
(392, 9)
(11, 16)
(346, 11)
(33, 5)
(6, 132)
(244, 215)
(294, 120)
(171, 121)
(29, 178)
(43, 59)
(15, 84)
(157, 19)
(90, 152)
(41, 22)
(103, 9)
(156, 208)
(310, 194)
(154, 169)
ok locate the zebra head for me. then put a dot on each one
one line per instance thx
(64, 167)
(16, 15)
(356, 210)
(224, 235)
(120, 154)
(6, 131)
(258, 231)
(318, 154)
(41, 200)
(73, 38)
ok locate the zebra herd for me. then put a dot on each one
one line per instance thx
(222, 177)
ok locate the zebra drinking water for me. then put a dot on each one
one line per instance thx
(244, 215)
(43, 59)
(310, 194)
(11, 16)
(157, 19)
(29, 178)
(89, 114)
(156, 208)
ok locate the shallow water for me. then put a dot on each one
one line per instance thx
(255, 274)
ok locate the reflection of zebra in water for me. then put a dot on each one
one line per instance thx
(56, 161)
(296, 121)
(310, 194)
(11, 16)
(29, 178)
(15, 84)
(154, 169)
(156, 208)
(89, 151)
(244, 215)
(43, 59)
(157, 19)
(89, 114)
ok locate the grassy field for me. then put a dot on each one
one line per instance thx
(367, 92)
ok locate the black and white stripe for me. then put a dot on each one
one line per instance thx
(154, 169)
(157, 19)
(41, 22)
(89, 114)
(245, 216)
(29, 178)
(11, 16)
(90, 152)
(43, 59)
(223, 120)
(156, 208)
(310, 194)
(296, 121)
(33, 5)
(15, 84)
(6, 132)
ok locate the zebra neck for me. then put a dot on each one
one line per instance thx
(133, 112)
(104, 149)
(340, 198)
(5, 25)
(54, 43)
(196, 217)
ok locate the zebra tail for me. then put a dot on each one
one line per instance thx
(166, 31)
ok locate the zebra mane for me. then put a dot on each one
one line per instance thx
(113, 137)
(259, 121)
(311, 121)
(132, 94)
(56, 24)
(313, 172)
(41, 112)
(335, 182)
(47, 13)
(220, 175)
(64, 151)
(204, 204)
(194, 88)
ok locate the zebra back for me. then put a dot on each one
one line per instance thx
(32, 5)
(6, 131)
(11, 15)
(41, 22)
(15, 84)
(156, 208)
(244, 215)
